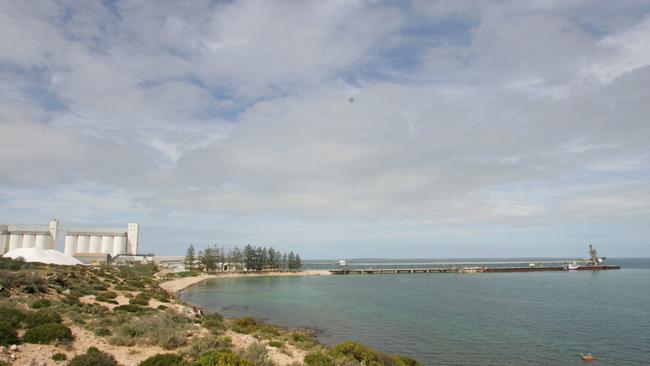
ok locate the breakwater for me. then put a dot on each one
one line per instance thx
(344, 271)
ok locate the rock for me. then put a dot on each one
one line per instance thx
(13, 347)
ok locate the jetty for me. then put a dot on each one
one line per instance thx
(486, 269)
(593, 263)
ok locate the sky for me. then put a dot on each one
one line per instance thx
(338, 129)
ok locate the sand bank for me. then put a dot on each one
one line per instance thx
(179, 284)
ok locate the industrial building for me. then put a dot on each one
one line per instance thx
(78, 241)
(113, 241)
(28, 236)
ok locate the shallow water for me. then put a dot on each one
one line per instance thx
(543, 318)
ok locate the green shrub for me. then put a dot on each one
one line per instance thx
(204, 344)
(102, 298)
(8, 333)
(36, 318)
(167, 330)
(318, 359)
(257, 354)
(59, 357)
(163, 360)
(250, 325)
(102, 332)
(108, 294)
(46, 333)
(213, 322)
(93, 357)
(276, 344)
(138, 301)
(221, 358)
(12, 315)
(302, 339)
(40, 304)
(366, 355)
(143, 296)
(162, 307)
(129, 308)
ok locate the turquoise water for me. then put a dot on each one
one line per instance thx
(543, 318)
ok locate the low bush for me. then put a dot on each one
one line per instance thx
(93, 357)
(257, 354)
(138, 301)
(204, 344)
(302, 339)
(213, 322)
(167, 330)
(129, 308)
(221, 358)
(250, 325)
(108, 294)
(12, 315)
(163, 360)
(276, 344)
(162, 307)
(368, 356)
(40, 304)
(59, 357)
(47, 333)
(40, 317)
(8, 333)
(143, 296)
(102, 332)
(318, 359)
(102, 298)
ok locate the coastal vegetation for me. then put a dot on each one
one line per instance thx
(50, 312)
(250, 258)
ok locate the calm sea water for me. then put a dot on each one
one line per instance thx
(459, 319)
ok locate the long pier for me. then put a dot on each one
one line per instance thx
(344, 271)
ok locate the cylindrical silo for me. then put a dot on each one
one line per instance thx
(29, 240)
(83, 243)
(42, 241)
(4, 244)
(70, 247)
(119, 245)
(95, 244)
(15, 241)
(107, 244)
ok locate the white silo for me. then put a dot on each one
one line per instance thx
(15, 241)
(119, 245)
(70, 246)
(29, 240)
(107, 244)
(95, 244)
(42, 241)
(4, 244)
(83, 244)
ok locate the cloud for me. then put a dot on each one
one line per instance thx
(464, 113)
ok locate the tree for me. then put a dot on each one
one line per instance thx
(249, 257)
(208, 260)
(190, 258)
(285, 262)
(291, 261)
(297, 262)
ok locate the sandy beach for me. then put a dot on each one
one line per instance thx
(179, 284)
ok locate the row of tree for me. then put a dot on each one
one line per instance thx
(250, 258)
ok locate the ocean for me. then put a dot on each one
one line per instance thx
(541, 318)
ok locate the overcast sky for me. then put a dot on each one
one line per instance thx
(336, 128)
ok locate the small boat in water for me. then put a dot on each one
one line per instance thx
(587, 357)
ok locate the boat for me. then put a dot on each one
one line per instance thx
(571, 267)
(587, 357)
